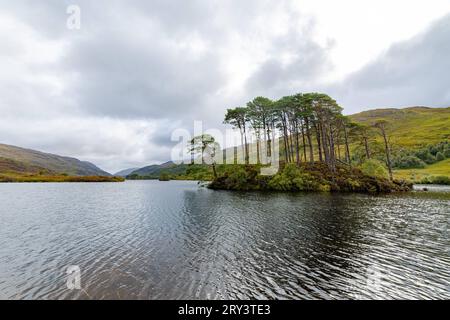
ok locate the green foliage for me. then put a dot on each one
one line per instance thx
(376, 152)
(409, 161)
(444, 180)
(306, 177)
(426, 156)
(441, 168)
(164, 176)
(419, 158)
(199, 172)
(293, 178)
(238, 178)
(374, 168)
(440, 156)
(447, 152)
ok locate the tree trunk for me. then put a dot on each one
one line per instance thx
(291, 142)
(273, 137)
(264, 133)
(258, 138)
(308, 136)
(388, 152)
(297, 146)
(303, 139)
(332, 151)
(246, 146)
(286, 139)
(286, 148)
(214, 170)
(242, 145)
(366, 146)
(319, 144)
(325, 144)
(347, 149)
(338, 145)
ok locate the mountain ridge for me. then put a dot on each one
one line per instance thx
(23, 160)
(125, 172)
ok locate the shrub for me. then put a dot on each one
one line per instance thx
(164, 177)
(408, 162)
(306, 177)
(374, 168)
(293, 178)
(440, 156)
(426, 156)
(433, 149)
(237, 178)
(436, 180)
(447, 153)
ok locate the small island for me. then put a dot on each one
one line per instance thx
(320, 149)
(308, 177)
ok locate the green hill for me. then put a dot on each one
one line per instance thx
(417, 135)
(27, 160)
(411, 127)
(125, 172)
(172, 171)
(25, 165)
(155, 169)
(438, 169)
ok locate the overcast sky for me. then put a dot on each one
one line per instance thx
(114, 90)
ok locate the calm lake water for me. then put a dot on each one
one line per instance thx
(174, 240)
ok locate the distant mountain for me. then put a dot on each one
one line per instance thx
(20, 160)
(411, 127)
(155, 169)
(124, 173)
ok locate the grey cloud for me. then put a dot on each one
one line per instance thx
(138, 59)
(413, 72)
(275, 78)
(121, 76)
(308, 60)
(151, 61)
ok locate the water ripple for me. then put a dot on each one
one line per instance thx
(152, 240)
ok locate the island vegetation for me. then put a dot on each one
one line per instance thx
(315, 148)
(321, 149)
(416, 139)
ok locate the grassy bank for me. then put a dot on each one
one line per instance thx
(15, 177)
(429, 173)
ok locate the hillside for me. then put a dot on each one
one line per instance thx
(439, 169)
(411, 127)
(125, 172)
(155, 169)
(182, 171)
(25, 161)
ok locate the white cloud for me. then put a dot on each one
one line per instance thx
(362, 30)
(109, 143)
